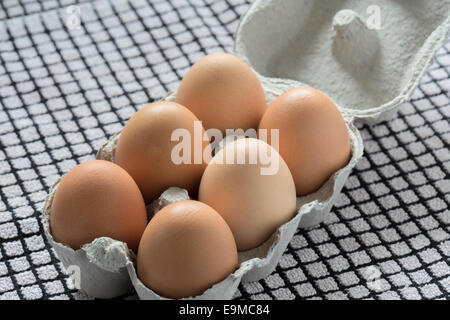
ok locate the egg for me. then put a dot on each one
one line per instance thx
(148, 149)
(223, 92)
(250, 185)
(97, 199)
(313, 137)
(186, 248)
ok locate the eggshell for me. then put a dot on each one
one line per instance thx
(145, 147)
(252, 201)
(223, 92)
(185, 249)
(313, 137)
(97, 199)
(98, 269)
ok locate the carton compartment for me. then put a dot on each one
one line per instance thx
(366, 55)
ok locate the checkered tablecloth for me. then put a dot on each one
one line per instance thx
(64, 92)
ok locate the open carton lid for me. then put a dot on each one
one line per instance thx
(367, 58)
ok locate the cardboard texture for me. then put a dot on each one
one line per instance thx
(367, 56)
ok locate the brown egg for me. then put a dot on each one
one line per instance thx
(186, 248)
(97, 199)
(223, 92)
(254, 197)
(313, 137)
(145, 149)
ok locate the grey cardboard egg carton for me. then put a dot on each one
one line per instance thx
(107, 266)
(368, 56)
(344, 62)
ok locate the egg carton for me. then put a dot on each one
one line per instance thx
(368, 56)
(367, 73)
(107, 266)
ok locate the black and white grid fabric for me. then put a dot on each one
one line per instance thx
(64, 90)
